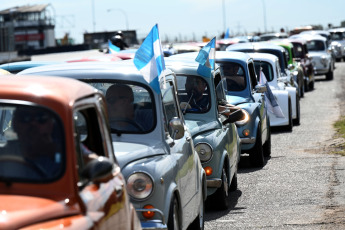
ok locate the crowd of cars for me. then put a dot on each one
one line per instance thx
(89, 144)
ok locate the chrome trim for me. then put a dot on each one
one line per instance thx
(248, 140)
(214, 183)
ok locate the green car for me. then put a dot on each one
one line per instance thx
(295, 68)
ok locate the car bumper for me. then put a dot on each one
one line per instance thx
(214, 183)
(321, 71)
(153, 224)
(248, 140)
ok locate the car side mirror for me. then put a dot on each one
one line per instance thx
(260, 88)
(177, 128)
(98, 170)
(291, 67)
(297, 59)
(235, 116)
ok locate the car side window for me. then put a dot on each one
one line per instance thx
(170, 109)
(88, 138)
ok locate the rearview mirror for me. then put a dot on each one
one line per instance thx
(260, 88)
(177, 128)
(235, 116)
(98, 170)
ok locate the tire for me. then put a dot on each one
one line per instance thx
(329, 75)
(267, 145)
(221, 196)
(256, 155)
(199, 222)
(306, 86)
(234, 183)
(302, 91)
(311, 85)
(290, 125)
(174, 220)
(297, 120)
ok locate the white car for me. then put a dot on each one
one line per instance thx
(320, 54)
(338, 38)
(286, 95)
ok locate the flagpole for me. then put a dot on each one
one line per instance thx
(224, 16)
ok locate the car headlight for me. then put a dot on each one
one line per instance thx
(245, 119)
(139, 185)
(204, 151)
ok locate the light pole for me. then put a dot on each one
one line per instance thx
(123, 12)
(264, 10)
(93, 16)
(224, 18)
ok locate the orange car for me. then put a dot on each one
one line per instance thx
(57, 167)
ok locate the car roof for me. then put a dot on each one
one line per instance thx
(308, 37)
(264, 56)
(92, 70)
(234, 55)
(316, 32)
(254, 45)
(341, 29)
(34, 88)
(21, 65)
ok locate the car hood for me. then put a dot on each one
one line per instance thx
(317, 53)
(197, 127)
(235, 100)
(20, 211)
(127, 152)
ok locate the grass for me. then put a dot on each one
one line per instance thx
(340, 129)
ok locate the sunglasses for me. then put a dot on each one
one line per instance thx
(39, 118)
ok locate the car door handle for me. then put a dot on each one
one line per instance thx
(188, 139)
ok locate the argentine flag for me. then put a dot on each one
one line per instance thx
(227, 34)
(113, 48)
(206, 58)
(271, 102)
(149, 59)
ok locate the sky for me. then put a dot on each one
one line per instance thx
(186, 19)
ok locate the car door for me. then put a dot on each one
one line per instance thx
(182, 149)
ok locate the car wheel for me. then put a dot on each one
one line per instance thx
(311, 85)
(256, 155)
(267, 145)
(199, 222)
(174, 221)
(290, 125)
(234, 183)
(222, 194)
(296, 121)
(329, 75)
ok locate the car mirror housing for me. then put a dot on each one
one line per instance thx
(235, 116)
(98, 169)
(177, 128)
(291, 67)
(260, 88)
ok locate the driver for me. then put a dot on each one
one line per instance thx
(34, 147)
(120, 100)
(197, 101)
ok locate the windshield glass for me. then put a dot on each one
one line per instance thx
(316, 45)
(31, 144)
(130, 106)
(338, 36)
(298, 48)
(266, 69)
(234, 74)
(193, 93)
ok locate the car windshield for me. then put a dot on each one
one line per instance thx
(193, 93)
(316, 45)
(234, 74)
(338, 36)
(266, 69)
(31, 144)
(130, 105)
(298, 48)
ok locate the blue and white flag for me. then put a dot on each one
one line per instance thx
(206, 58)
(271, 102)
(227, 34)
(149, 59)
(113, 48)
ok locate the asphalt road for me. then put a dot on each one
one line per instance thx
(302, 185)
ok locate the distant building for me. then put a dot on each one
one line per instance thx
(28, 27)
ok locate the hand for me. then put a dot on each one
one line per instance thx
(185, 106)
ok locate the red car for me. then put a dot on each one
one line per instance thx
(57, 165)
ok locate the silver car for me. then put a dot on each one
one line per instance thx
(165, 179)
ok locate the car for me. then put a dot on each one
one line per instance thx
(286, 96)
(295, 69)
(302, 57)
(15, 67)
(214, 134)
(244, 91)
(57, 165)
(266, 47)
(272, 36)
(338, 41)
(164, 176)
